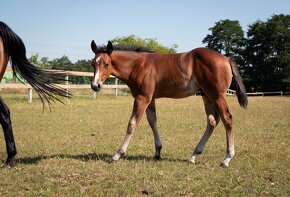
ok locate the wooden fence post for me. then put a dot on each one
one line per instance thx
(66, 83)
(29, 95)
(116, 84)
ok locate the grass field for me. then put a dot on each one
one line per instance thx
(67, 152)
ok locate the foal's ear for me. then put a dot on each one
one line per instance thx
(94, 46)
(109, 48)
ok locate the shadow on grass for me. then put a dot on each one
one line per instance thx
(84, 157)
(93, 157)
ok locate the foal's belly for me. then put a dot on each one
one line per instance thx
(177, 90)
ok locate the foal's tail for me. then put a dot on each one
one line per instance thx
(238, 83)
(42, 81)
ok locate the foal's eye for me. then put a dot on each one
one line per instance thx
(106, 65)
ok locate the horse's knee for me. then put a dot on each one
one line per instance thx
(213, 120)
(131, 127)
(228, 120)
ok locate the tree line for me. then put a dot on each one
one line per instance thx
(262, 53)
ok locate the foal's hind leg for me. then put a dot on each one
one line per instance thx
(212, 121)
(222, 107)
(8, 134)
(151, 117)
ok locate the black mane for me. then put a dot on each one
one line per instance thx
(126, 47)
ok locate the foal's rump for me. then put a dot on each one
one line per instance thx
(212, 71)
(215, 72)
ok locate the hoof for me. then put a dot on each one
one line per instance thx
(10, 163)
(157, 157)
(117, 156)
(224, 165)
(191, 160)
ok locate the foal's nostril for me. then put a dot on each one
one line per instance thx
(95, 87)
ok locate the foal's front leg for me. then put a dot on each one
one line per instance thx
(140, 105)
(151, 117)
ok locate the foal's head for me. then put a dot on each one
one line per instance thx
(102, 64)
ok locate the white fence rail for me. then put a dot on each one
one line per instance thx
(280, 93)
(67, 86)
(116, 87)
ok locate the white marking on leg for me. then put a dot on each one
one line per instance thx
(231, 151)
(229, 156)
(128, 136)
(211, 123)
(123, 147)
(212, 120)
(192, 159)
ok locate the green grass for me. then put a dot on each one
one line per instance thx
(67, 152)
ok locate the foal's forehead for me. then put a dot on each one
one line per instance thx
(98, 59)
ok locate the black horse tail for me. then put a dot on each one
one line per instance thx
(43, 81)
(238, 84)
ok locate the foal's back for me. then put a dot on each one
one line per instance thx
(183, 74)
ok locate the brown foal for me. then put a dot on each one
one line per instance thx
(152, 75)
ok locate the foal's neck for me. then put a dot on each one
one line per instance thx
(123, 63)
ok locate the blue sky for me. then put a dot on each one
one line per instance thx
(53, 28)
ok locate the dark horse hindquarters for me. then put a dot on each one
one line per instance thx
(42, 81)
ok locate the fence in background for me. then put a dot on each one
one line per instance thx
(275, 93)
(66, 86)
(115, 86)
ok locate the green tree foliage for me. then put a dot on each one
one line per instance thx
(149, 43)
(34, 60)
(83, 66)
(227, 37)
(268, 54)
(64, 63)
(263, 57)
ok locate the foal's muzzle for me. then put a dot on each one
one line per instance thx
(96, 86)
